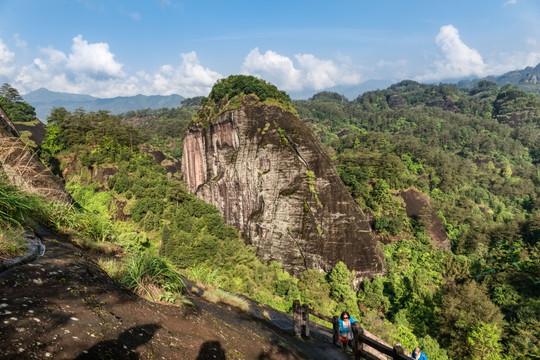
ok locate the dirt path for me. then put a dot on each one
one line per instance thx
(63, 306)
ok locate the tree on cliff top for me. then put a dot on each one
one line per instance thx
(15, 107)
(246, 84)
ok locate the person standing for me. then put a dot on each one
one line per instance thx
(417, 354)
(345, 329)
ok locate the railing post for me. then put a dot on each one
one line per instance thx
(335, 327)
(357, 344)
(396, 351)
(297, 318)
(305, 320)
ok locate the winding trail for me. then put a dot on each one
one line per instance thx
(63, 306)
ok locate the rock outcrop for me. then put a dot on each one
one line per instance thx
(23, 168)
(417, 206)
(271, 179)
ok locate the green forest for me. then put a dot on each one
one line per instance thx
(475, 153)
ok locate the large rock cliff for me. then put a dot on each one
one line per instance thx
(271, 179)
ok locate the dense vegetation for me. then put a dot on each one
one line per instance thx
(15, 107)
(229, 93)
(244, 84)
(165, 128)
(164, 217)
(475, 153)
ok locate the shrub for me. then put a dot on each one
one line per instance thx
(15, 205)
(133, 241)
(204, 275)
(150, 275)
(238, 84)
(220, 295)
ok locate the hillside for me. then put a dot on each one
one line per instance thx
(44, 100)
(527, 79)
(432, 165)
(63, 306)
(473, 154)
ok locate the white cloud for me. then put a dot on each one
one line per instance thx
(511, 2)
(188, 79)
(458, 60)
(311, 73)
(93, 59)
(273, 67)
(321, 74)
(513, 61)
(91, 69)
(7, 59)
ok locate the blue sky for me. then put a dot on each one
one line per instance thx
(112, 48)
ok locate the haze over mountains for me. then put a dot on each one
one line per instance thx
(44, 100)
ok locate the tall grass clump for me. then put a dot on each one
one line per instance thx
(150, 275)
(204, 276)
(85, 223)
(16, 206)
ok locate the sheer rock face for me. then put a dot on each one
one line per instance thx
(271, 179)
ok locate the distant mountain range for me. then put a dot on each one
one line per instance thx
(527, 79)
(44, 100)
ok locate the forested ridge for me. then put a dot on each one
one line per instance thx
(475, 153)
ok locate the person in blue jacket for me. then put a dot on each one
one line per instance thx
(345, 329)
(417, 354)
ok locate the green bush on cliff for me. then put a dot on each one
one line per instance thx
(246, 84)
(15, 107)
(230, 93)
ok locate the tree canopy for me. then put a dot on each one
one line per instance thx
(246, 84)
(15, 107)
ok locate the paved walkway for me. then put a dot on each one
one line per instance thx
(318, 347)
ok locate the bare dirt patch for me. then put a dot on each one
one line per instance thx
(417, 205)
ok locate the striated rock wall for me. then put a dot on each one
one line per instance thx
(272, 179)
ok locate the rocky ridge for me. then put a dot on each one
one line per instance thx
(271, 178)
